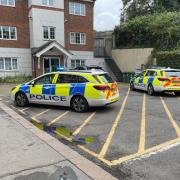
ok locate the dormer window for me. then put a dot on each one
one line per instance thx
(7, 2)
(48, 2)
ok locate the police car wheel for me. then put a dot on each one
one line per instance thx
(79, 104)
(177, 93)
(151, 90)
(21, 100)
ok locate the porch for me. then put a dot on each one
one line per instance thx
(48, 57)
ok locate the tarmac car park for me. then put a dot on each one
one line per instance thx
(157, 80)
(76, 89)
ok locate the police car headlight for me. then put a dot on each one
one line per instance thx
(13, 88)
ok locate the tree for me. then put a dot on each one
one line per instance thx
(133, 8)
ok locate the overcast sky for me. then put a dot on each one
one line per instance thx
(107, 14)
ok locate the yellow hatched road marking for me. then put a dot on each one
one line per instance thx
(57, 119)
(146, 152)
(84, 124)
(113, 128)
(37, 115)
(143, 126)
(173, 122)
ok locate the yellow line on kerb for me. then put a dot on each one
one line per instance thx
(84, 124)
(113, 128)
(173, 122)
(37, 115)
(143, 126)
(57, 119)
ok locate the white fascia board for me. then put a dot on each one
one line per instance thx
(51, 46)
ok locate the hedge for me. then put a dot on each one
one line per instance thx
(168, 58)
(160, 31)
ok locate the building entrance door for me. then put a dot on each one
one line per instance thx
(51, 64)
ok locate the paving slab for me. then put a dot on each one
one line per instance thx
(27, 153)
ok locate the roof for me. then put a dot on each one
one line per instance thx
(48, 45)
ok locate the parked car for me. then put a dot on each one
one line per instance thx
(157, 79)
(79, 90)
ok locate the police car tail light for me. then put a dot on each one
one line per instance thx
(163, 79)
(101, 87)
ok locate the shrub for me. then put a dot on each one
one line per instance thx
(168, 58)
(159, 30)
(15, 79)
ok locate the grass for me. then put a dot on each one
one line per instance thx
(15, 79)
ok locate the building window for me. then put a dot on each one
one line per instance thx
(77, 38)
(49, 33)
(48, 2)
(8, 64)
(8, 33)
(78, 9)
(7, 2)
(77, 62)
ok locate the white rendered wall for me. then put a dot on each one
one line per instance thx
(24, 61)
(57, 3)
(89, 58)
(42, 17)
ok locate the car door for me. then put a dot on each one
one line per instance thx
(139, 81)
(42, 90)
(148, 78)
(63, 88)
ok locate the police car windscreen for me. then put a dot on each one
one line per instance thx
(106, 78)
(173, 73)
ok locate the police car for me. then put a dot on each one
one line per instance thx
(157, 80)
(79, 90)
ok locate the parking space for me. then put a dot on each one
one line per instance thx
(138, 125)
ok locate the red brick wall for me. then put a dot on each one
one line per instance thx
(82, 24)
(18, 17)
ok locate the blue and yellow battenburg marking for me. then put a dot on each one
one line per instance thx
(60, 92)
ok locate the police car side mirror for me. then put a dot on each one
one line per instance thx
(32, 83)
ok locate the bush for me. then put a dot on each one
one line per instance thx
(159, 30)
(168, 58)
(16, 79)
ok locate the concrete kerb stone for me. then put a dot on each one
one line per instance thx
(85, 165)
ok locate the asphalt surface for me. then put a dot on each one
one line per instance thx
(135, 138)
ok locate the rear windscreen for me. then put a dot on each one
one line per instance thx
(106, 78)
(172, 73)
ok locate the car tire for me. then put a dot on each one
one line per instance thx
(177, 93)
(132, 86)
(21, 99)
(79, 104)
(150, 90)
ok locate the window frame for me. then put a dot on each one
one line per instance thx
(12, 67)
(9, 31)
(74, 6)
(49, 33)
(75, 61)
(81, 41)
(75, 78)
(35, 81)
(48, 3)
(9, 5)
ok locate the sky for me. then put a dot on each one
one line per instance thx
(106, 14)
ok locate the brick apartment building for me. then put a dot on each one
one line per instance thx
(37, 36)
